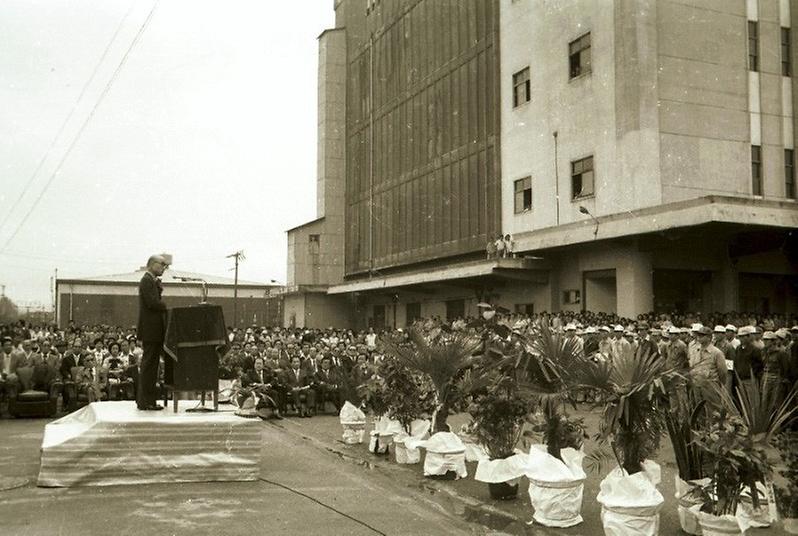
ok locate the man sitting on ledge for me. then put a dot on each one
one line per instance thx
(263, 383)
(298, 381)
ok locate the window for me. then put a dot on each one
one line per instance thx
(313, 244)
(786, 53)
(789, 173)
(753, 45)
(579, 56)
(521, 88)
(571, 297)
(582, 178)
(523, 195)
(412, 312)
(756, 169)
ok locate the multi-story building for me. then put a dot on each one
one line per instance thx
(640, 153)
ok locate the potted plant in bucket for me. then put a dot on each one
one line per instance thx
(498, 416)
(409, 400)
(736, 444)
(545, 369)
(737, 462)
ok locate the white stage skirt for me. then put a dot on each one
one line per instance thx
(109, 443)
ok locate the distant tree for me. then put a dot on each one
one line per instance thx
(8, 310)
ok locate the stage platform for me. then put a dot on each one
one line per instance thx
(110, 443)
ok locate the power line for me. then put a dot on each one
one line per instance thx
(68, 118)
(102, 96)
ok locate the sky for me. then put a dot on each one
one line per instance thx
(197, 138)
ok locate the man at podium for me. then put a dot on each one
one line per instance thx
(151, 331)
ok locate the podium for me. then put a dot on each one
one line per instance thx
(196, 338)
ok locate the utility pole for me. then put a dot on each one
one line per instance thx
(238, 256)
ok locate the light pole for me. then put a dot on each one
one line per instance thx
(238, 255)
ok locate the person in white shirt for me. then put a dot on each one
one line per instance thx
(371, 339)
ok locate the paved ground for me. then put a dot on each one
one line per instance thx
(305, 461)
(356, 499)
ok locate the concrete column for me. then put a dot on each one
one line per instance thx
(729, 297)
(635, 283)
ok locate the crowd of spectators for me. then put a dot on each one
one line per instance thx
(307, 370)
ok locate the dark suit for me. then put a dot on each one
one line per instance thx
(328, 387)
(294, 382)
(254, 380)
(151, 331)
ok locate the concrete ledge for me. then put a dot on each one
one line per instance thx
(721, 209)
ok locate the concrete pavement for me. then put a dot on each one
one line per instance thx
(305, 491)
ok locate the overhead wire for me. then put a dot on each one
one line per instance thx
(68, 118)
(100, 99)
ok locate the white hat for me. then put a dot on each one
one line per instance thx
(618, 328)
(685, 330)
(746, 330)
(605, 328)
(590, 329)
(570, 326)
(782, 333)
(673, 330)
(720, 329)
(696, 327)
(769, 336)
(731, 327)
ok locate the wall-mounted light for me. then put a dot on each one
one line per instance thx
(584, 210)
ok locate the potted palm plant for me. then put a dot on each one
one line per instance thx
(443, 358)
(632, 387)
(545, 369)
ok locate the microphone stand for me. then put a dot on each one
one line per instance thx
(197, 280)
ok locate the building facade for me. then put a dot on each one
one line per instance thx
(113, 299)
(640, 153)
(647, 150)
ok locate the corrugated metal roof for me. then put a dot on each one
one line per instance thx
(169, 276)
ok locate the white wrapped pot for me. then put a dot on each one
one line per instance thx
(685, 501)
(353, 422)
(353, 432)
(383, 434)
(445, 455)
(405, 455)
(502, 475)
(556, 486)
(406, 445)
(630, 504)
(712, 525)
